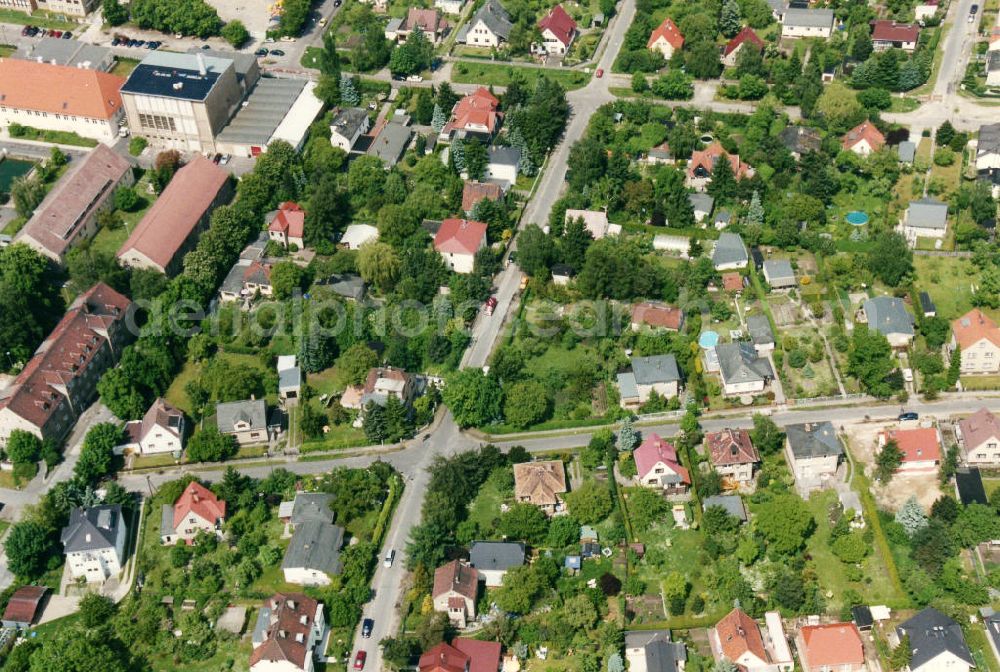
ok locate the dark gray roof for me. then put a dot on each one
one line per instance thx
(810, 18)
(723, 217)
(927, 213)
(800, 139)
(348, 285)
(349, 120)
(92, 528)
(907, 151)
(504, 156)
(496, 18)
(661, 654)
(993, 61)
(701, 202)
(926, 304)
(733, 505)
(740, 364)
(813, 439)
(655, 369)
(627, 387)
(729, 249)
(989, 139)
(172, 75)
(251, 411)
(496, 555)
(315, 545)
(390, 143)
(888, 315)
(233, 282)
(760, 329)
(166, 520)
(311, 507)
(931, 634)
(779, 269)
(263, 111)
(992, 623)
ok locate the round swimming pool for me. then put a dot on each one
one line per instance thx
(856, 218)
(708, 339)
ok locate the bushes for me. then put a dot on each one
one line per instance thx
(186, 17)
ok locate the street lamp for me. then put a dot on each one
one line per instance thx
(9, 360)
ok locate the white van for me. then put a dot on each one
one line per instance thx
(389, 557)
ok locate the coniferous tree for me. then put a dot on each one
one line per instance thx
(348, 90)
(438, 120)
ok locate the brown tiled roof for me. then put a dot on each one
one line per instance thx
(917, 445)
(289, 219)
(443, 658)
(59, 89)
(291, 614)
(732, 282)
(56, 223)
(159, 415)
(657, 315)
(708, 157)
(864, 131)
(427, 20)
(974, 326)
(34, 395)
(979, 427)
(540, 482)
(890, 31)
(388, 372)
(832, 645)
(731, 446)
(456, 576)
(258, 273)
(738, 634)
(477, 655)
(24, 603)
(745, 35)
(473, 192)
(170, 222)
(667, 30)
(479, 108)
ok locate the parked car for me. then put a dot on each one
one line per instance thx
(600, 72)
(414, 78)
(225, 159)
(277, 52)
(216, 158)
(67, 35)
(56, 33)
(359, 660)
(908, 415)
(389, 557)
(261, 52)
(24, 31)
(287, 38)
(490, 305)
(366, 627)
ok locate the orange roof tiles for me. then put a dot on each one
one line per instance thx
(731, 446)
(290, 219)
(665, 317)
(732, 282)
(200, 501)
(473, 192)
(459, 236)
(918, 445)
(456, 576)
(59, 89)
(744, 36)
(479, 108)
(739, 634)
(864, 131)
(668, 31)
(708, 157)
(832, 645)
(973, 327)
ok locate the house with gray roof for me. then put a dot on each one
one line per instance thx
(490, 26)
(349, 125)
(730, 254)
(245, 420)
(94, 542)
(778, 8)
(313, 554)
(925, 218)
(658, 373)
(937, 643)
(800, 139)
(761, 334)
(502, 165)
(988, 155)
(722, 219)
(731, 504)
(799, 22)
(492, 559)
(906, 151)
(888, 316)
(289, 377)
(390, 143)
(813, 453)
(701, 204)
(652, 651)
(742, 370)
(306, 507)
(779, 274)
(345, 285)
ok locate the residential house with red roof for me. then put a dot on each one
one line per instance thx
(558, 32)
(67, 217)
(832, 647)
(977, 337)
(702, 163)
(476, 114)
(732, 454)
(979, 436)
(657, 466)
(171, 227)
(891, 35)
(60, 98)
(666, 38)
(462, 655)
(863, 139)
(473, 192)
(457, 241)
(456, 586)
(657, 316)
(429, 21)
(287, 630)
(161, 430)
(60, 381)
(738, 639)
(746, 38)
(22, 608)
(286, 225)
(196, 510)
(921, 448)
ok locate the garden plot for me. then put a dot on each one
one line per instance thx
(785, 312)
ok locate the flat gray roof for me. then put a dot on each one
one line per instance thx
(256, 121)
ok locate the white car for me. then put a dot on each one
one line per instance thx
(414, 78)
(389, 557)
(908, 375)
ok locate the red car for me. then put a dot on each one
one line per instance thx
(600, 72)
(359, 660)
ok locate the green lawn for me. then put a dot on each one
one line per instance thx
(39, 18)
(57, 137)
(485, 508)
(903, 104)
(14, 225)
(176, 394)
(500, 75)
(124, 66)
(831, 571)
(949, 281)
(981, 382)
(339, 436)
(108, 240)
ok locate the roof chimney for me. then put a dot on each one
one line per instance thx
(202, 70)
(178, 86)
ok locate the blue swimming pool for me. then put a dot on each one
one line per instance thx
(708, 339)
(856, 218)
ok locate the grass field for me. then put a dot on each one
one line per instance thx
(948, 280)
(903, 104)
(40, 19)
(176, 394)
(981, 383)
(124, 66)
(485, 508)
(57, 137)
(500, 75)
